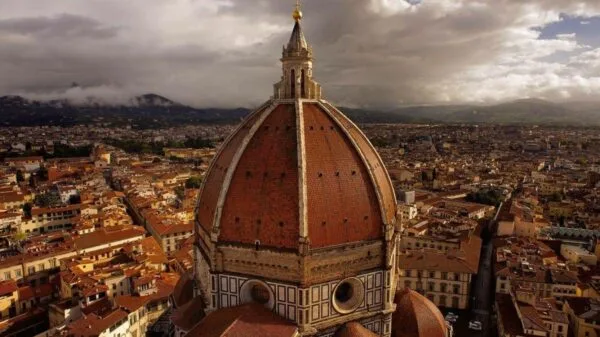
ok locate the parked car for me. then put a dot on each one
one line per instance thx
(451, 317)
(475, 325)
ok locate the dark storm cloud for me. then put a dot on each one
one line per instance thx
(225, 52)
(58, 27)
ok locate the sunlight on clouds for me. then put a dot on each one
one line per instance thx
(375, 52)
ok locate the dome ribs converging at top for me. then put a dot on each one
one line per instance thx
(417, 316)
(262, 201)
(342, 203)
(297, 172)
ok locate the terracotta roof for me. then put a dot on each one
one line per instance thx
(530, 318)
(133, 302)
(184, 290)
(249, 320)
(416, 316)
(191, 313)
(23, 159)
(8, 287)
(340, 168)
(153, 250)
(93, 325)
(103, 236)
(28, 292)
(508, 314)
(11, 197)
(44, 210)
(354, 329)
(7, 215)
(465, 260)
(585, 306)
(99, 307)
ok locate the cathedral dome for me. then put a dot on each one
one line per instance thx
(296, 171)
(297, 215)
(416, 316)
(354, 329)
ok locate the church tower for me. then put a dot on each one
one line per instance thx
(297, 213)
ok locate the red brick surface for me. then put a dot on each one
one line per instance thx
(342, 204)
(416, 316)
(215, 177)
(385, 187)
(262, 202)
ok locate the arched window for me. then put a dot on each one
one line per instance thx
(302, 88)
(293, 83)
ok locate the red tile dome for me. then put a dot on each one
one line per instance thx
(416, 316)
(294, 171)
(354, 329)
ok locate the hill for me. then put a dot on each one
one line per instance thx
(155, 111)
(146, 111)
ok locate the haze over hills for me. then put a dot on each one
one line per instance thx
(145, 111)
(154, 111)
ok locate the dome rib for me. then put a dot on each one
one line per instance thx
(261, 203)
(328, 165)
(212, 185)
(252, 123)
(416, 316)
(385, 192)
(303, 199)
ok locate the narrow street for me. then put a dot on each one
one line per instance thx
(482, 295)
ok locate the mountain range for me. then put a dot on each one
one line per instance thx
(155, 111)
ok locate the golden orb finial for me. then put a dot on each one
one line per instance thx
(297, 14)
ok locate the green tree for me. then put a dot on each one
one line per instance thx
(20, 177)
(19, 236)
(180, 192)
(43, 173)
(486, 196)
(556, 196)
(27, 209)
(193, 182)
(74, 199)
(47, 200)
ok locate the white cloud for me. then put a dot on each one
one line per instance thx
(566, 36)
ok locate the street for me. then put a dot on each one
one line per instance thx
(482, 294)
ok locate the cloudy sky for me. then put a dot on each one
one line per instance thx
(368, 52)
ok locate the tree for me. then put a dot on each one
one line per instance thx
(556, 196)
(27, 209)
(19, 236)
(47, 200)
(180, 192)
(491, 197)
(193, 182)
(43, 173)
(74, 199)
(20, 177)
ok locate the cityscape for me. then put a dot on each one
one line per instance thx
(300, 215)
